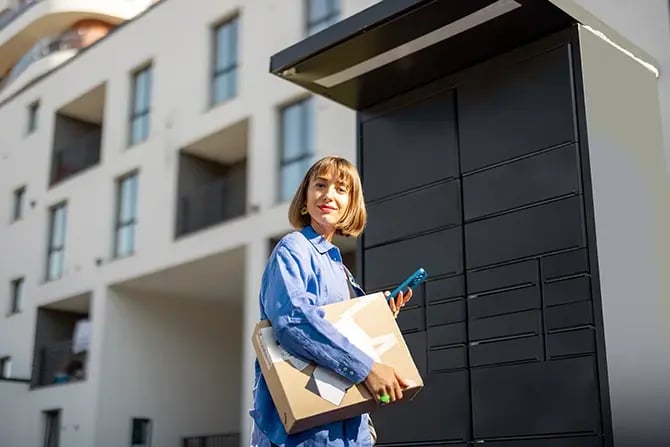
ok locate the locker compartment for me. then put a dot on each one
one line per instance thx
(439, 253)
(577, 342)
(448, 358)
(515, 300)
(590, 441)
(442, 289)
(505, 351)
(505, 325)
(539, 398)
(569, 315)
(412, 320)
(429, 129)
(440, 412)
(413, 213)
(533, 231)
(489, 133)
(445, 313)
(523, 182)
(520, 273)
(447, 334)
(564, 264)
(416, 343)
(567, 291)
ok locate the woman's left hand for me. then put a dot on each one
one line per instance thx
(399, 301)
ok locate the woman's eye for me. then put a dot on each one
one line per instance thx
(342, 190)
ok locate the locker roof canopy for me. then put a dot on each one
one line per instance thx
(397, 45)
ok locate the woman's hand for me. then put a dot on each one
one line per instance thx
(384, 381)
(399, 301)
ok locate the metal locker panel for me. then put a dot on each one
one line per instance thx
(444, 289)
(439, 253)
(569, 315)
(447, 359)
(410, 147)
(489, 133)
(567, 291)
(506, 351)
(414, 213)
(447, 334)
(412, 320)
(445, 313)
(533, 231)
(509, 301)
(512, 275)
(441, 412)
(521, 323)
(523, 182)
(559, 396)
(590, 441)
(576, 342)
(564, 264)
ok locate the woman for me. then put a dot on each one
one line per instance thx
(304, 272)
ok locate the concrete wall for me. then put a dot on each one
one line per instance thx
(172, 360)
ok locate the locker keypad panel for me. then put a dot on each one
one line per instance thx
(490, 202)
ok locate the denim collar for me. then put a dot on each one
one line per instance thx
(319, 242)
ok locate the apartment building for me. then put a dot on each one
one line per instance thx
(146, 160)
(144, 176)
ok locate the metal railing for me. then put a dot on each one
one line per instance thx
(210, 204)
(19, 8)
(56, 363)
(226, 440)
(70, 40)
(75, 156)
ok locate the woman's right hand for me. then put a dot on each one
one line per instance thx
(384, 380)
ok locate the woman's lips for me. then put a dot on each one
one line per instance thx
(326, 209)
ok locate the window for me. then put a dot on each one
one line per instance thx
(297, 145)
(19, 197)
(141, 106)
(321, 14)
(16, 296)
(5, 367)
(140, 435)
(51, 428)
(56, 250)
(126, 215)
(224, 76)
(33, 111)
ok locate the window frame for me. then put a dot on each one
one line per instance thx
(52, 421)
(33, 117)
(16, 286)
(143, 114)
(232, 68)
(307, 107)
(51, 249)
(6, 367)
(332, 16)
(149, 431)
(119, 223)
(18, 200)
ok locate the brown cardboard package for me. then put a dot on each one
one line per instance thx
(307, 396)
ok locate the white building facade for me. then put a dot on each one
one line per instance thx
(146, 162)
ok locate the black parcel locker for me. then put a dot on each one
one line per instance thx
(512, 148)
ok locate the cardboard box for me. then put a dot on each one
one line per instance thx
(307, 395)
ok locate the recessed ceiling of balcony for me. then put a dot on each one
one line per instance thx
(89, 107)
(228, 145)
(79, 303)
(219, 277)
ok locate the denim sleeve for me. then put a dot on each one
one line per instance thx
(299, 325)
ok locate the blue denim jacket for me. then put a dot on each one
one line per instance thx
(305, 271)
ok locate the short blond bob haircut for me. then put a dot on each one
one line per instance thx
(355, 216)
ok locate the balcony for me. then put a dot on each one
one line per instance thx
(30, 20)
(50, 52)
(212, 185)
(78, 135)
(62, 339)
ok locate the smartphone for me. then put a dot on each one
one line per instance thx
(414, 280)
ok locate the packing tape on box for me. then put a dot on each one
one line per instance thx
(324, 382)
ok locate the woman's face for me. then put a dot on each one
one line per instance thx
(327, 201)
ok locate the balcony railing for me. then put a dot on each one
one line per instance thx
(58, 364)
(227, 440)
(211, 204)
(74, 157)
(70, 40)
(8, 16)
